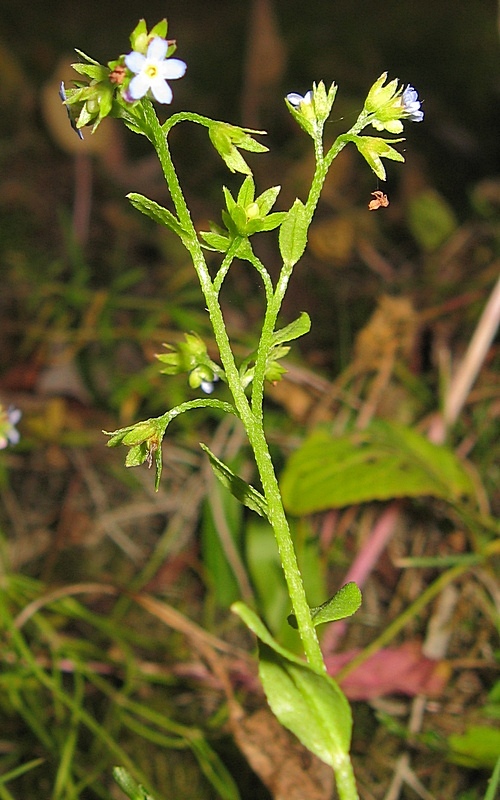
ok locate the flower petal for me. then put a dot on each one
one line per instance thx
(162, 92)
(157, 49)
(294, 99)
(135, 61)
(13, 436)
(138, 86)
(172, 68)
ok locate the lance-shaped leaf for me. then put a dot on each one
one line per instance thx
(308, 703)
(243, 491)
(299, 327)
(293, 234)
(156, 212)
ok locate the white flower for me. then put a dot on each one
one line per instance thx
(209, 386)
(8, 420)
(411, 104)
(296, 100)
(153, 70)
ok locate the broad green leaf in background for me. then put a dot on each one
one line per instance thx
(431, 219)
(308, 703)
(268, 579)
(222, 518)
(383, 461)
(477, 748)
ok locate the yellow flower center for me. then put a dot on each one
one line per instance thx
(151, 71)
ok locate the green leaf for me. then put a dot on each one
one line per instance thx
(128, 785)
(493, 783)
(382, 462)
(344, 603)
(478, 747)
(308, 703)
(156, 212)
(293, 234)
(431, 219)
(242, 490)
(299, 327)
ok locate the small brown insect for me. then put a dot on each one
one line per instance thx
(381, 201)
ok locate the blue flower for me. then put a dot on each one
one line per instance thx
(8, 420)
(411, 104)
(296, 100)
(152, 71)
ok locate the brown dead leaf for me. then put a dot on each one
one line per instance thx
(393, 670)
(283, 764)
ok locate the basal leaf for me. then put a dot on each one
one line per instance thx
(308, 703)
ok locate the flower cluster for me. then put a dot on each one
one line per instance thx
(387, 104)
(191, 356)
(312, 109)
(8, 420)
(112, 89)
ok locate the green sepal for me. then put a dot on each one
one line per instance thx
(137, 455)
(344, 603)
(228, 138)
(156, 212)
(246, 194)
(94, 71)
(87, 58)
(243, 491)
(267, 199)
(307, 702)
(373, 149)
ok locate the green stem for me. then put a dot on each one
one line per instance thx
(252, 423)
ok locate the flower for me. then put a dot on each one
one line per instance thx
(209, 386)
(8, 420)
(296, 100)
(387, 104)
(152, 71)
(411, 104)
